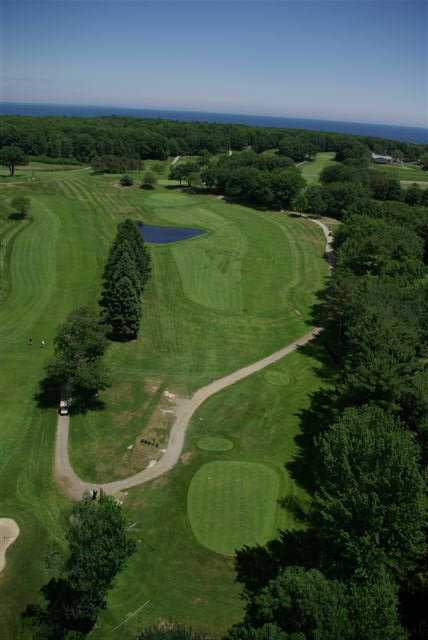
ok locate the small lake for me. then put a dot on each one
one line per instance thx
(163, 235)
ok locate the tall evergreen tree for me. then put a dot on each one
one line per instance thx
(125, 275)
(122, 309)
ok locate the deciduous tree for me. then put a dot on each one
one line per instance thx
(11, 156)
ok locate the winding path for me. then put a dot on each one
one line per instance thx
(74, 487)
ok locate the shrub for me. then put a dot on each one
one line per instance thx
(126, 181)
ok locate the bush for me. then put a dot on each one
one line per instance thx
(126, 181)
(149, 180)
(21, 205)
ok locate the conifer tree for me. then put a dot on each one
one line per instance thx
(125, 274)
(128, 231)
(122, 309)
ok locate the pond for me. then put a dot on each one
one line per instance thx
(163, 235)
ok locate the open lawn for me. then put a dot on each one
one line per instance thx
(182, 579)
(405, 172)
(214, 303)
(311, 170)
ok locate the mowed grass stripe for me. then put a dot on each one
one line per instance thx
(231, 504)
(53, 268)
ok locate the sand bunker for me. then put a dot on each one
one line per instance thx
(9, 531)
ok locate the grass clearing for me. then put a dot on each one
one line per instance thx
(232, 504)
(311, 170)
(403, 172)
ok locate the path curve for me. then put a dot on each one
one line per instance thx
(9, 531)
(74, 487)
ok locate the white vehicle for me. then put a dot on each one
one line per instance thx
(64, 408)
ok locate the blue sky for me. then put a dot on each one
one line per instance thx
(363, 60)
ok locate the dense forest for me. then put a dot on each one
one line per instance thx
(83, 139)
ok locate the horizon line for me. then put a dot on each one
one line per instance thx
(220, 113)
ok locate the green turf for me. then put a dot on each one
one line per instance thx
(46, 273)
(214, 303)
(405, 172)
(311, 170)
(232, 504)
(184, 580)
(193, 331)
(213, 443)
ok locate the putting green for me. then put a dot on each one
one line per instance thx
(232, 504)
(213, 443)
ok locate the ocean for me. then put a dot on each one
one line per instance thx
(392, 132)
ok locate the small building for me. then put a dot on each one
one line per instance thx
(379, 159)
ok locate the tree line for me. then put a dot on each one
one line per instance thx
(84, 139)
(273, 181)
(77, 368)
(351, 183)
(125, 275)
(359, 569)
(268, 181)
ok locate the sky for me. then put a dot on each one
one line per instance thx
(363, 60)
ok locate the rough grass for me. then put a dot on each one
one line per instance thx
(193, 331)
(214, 443)
(232, 504)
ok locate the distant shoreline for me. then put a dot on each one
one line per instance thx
(417, 135)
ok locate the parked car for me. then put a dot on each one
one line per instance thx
(64, 408)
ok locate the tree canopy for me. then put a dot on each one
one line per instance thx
(77, 367)
(10, 156)
(98, 547)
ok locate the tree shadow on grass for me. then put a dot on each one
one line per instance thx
(314, 420)
(16, 216)
(256, 566)
(49, 395)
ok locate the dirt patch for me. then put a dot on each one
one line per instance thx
(151, 442)
(151, 385)
(9, 531)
